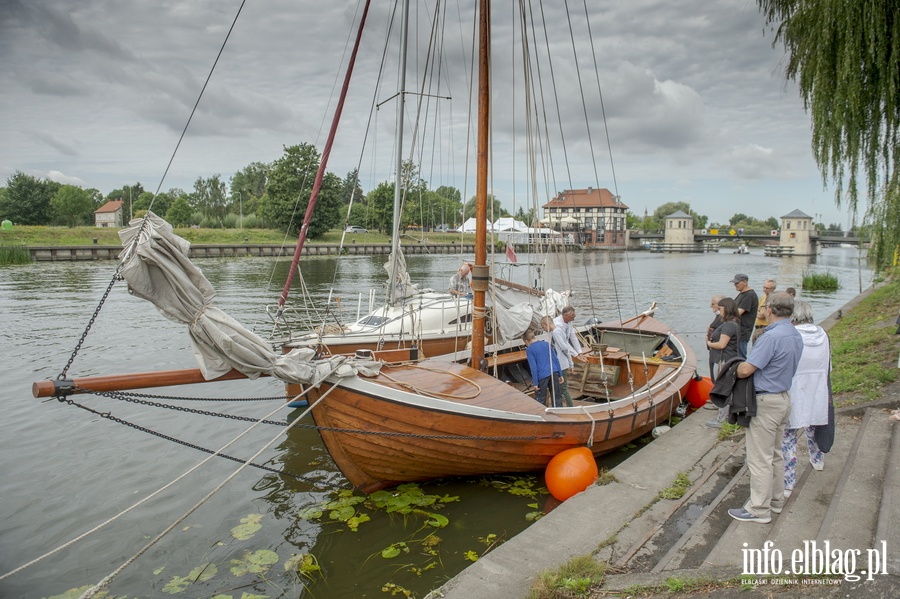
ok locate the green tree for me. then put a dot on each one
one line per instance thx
(210, 198)
(248, 185)
(179, 213)
(660, 214)
(528, 217)
(350, 188)
(450, 193)
(290, 184)
(845, 57)
(72, 205)
(381, 206)
(27, 199)
(494, 209)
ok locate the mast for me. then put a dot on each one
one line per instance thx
(401, 109)
(480, 270)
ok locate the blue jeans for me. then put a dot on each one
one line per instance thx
(742, 348)
(549, 384)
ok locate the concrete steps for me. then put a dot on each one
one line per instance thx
(852, 506)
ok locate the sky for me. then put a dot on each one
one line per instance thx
(96, 93)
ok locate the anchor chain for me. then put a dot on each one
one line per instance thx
(123, 397)
(116, 277)
(109, 416)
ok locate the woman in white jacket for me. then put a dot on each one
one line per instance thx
(809, 394)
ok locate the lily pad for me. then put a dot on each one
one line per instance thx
(256, 562)
(248, 527)
(305, 564)
(438, 521)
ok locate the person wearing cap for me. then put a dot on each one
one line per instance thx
(772, 363)
(748, 304)
(761, 324)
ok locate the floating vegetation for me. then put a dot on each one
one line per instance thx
(304, 564)
(198, 574)
(525, 486)
(394, 549)
(396, 589)
(254, 562)
(820, 281)
(248, 527)
(414, 557)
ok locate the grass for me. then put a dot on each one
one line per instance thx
(65, 236)
(865, 346)
(728, 430)
(681, 484)
(574, 579)
(14, 255)
(820, 281)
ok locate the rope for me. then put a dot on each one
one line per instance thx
(142, 429)
(130, 508)
(109, 578)
(420, 391)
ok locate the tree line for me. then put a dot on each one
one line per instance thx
(275, 195)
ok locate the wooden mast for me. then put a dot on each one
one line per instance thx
(480, 271)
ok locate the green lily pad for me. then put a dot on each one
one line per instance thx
(256, 562)
(248, 527)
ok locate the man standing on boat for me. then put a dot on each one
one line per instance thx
(747, 303)
(772, 364)
(545, 372)
(568, 345)
(564, 353)
(460, 283)
(761, 324)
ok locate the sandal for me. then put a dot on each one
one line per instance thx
(895, 416)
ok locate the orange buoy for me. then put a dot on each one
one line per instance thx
(570, 472)
(698, 391)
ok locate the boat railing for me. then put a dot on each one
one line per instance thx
(288, 321)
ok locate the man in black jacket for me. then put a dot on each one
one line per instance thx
(772, 363)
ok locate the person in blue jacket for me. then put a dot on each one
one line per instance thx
(546, 375)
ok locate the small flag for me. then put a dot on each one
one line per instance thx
(510, 253)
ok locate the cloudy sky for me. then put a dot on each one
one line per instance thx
(96, 93)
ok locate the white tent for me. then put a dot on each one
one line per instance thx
(467, 227)
(507, 223)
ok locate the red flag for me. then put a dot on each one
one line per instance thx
(510, 253)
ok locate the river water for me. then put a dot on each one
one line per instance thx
(65, 470)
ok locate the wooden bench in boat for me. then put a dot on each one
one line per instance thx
(507, 358)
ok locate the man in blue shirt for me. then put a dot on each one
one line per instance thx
(772, 363)
(544, 364)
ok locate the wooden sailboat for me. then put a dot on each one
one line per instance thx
(413, 420)
(438, 417)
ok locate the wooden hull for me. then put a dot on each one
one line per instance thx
(438, 418)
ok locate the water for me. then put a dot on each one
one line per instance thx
(65, 470)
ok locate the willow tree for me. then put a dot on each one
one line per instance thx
(845, 56)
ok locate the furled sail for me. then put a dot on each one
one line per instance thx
(156, 266)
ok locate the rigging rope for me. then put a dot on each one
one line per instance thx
(148, 497)
(109, 578)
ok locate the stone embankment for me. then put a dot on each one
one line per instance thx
(849, 513)
(111, 252)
